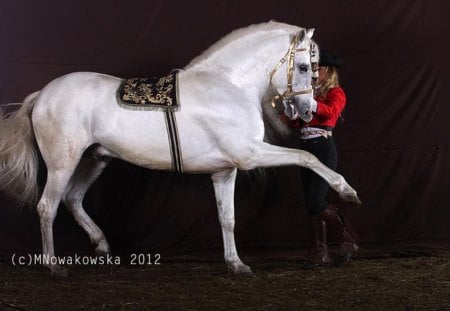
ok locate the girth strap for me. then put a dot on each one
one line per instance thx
(174, 141)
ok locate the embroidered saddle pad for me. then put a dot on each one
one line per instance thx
(159, 93)
(156, 94)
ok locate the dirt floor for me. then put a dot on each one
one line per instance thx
(421, 283)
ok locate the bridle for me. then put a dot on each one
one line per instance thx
(289, 94)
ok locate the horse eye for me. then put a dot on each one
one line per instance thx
(303, 68)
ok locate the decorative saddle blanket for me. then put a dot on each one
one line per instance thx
(159, 93)
(156, 94)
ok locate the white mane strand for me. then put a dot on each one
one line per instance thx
(239, 34)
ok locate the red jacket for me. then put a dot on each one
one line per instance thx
(329, 109)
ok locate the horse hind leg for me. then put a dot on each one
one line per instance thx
(224, 183)
(88, 170)
(57, 180)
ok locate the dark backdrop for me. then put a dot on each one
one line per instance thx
(393, 145)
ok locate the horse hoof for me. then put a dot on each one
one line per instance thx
(58, 272)
(101, 252)
(351, 197)
(342, 260)
(242, 270)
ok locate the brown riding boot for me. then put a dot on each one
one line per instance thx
(318, 254)
(348, 246)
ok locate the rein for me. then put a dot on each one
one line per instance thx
(290, 57)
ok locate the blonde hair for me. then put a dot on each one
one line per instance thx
(330, 81)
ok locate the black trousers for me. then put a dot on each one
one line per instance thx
(315, 188)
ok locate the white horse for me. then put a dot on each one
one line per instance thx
(220, 125)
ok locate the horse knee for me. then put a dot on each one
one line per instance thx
(308, 160)
(227, 224)
(226, 217)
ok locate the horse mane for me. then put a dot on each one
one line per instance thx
(275, 129)
(241, 33)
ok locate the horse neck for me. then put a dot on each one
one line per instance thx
(246, 62)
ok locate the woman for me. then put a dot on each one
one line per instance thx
(316, 137)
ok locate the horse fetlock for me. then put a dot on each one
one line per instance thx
(339, 184)
(348, 194)
(58, 271)
(102, 248)
(345, 191)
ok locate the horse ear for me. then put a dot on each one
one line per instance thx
(301, 35)
(310, 32)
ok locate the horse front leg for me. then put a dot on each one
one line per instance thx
(224, 183)
(266, 155)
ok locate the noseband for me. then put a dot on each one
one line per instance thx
(289, 94)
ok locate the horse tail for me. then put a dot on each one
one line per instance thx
(19, 159)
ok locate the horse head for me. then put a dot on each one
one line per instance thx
(294, 88)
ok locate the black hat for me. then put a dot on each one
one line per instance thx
(329, 60)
